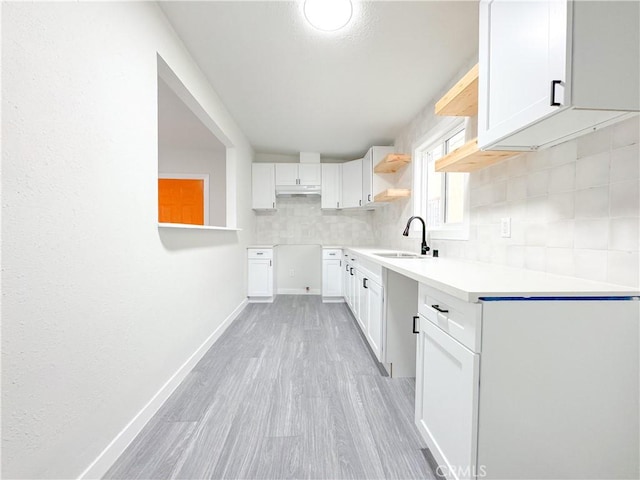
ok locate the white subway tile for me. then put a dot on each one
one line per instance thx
(625, 163)
(591, 233)
(562, 178)
(537, 161)
(592, 202)
(537, 209)
(591, 264)
(624, 234)
(625, 199)
(538, 183)
(518, 231)
(536, 234)
(560, 261)
(499, 192)
(498, 255)
(535, 258)
(622, 268)
(566, 152)
(561, 206)
(592, 171)
(515, 256)
(626, 133)
(517, 188)
(560, 234)
(517, 166)
(595, 142)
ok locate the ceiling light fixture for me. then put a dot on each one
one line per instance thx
(328, 15)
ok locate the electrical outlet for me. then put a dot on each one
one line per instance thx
(292, 273)
(505, 227)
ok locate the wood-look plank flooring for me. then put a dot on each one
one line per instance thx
(290, 391)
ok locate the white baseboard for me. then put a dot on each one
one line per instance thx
(332, 299)
(110, 454)
(299, 291)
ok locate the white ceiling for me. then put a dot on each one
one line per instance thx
(292, 88)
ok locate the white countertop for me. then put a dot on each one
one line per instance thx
(470, 281)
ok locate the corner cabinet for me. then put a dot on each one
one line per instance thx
(501, 378)
(260, 276)
(263, 186)
(551, 70)
(374, 184)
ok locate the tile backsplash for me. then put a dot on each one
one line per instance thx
(300, 220)
(574, 209)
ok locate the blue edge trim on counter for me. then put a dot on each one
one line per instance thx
(546, 299)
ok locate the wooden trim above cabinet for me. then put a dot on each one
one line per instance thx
(469, 158)
(462, 99)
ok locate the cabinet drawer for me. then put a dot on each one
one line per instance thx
(260, 252)
(461, 320)
(331, 254)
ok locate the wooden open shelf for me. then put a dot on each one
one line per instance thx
(469, 158)
(392, 163)
(392, 194)
(462, 99)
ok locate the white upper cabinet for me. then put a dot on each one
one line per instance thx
(263, 188)
(551, 70)
(298, 174)
(286, 173)
(331, 185)
(373, 184)
(352, 183)
(309, 174)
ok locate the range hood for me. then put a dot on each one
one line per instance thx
(297, 190)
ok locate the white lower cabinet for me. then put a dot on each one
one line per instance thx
(332, 275)
(447, 400)
(260, 275)
(364, 293)
(529, 388)
(374, 309)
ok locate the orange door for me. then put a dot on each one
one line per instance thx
(181, 201)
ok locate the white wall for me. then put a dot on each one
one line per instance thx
(574, 208)
(99, 307)
(200, 160)
(299, 267)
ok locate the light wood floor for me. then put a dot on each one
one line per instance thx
(289, 391)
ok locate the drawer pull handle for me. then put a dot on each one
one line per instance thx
(415, 328)
(441, 310)
(259, 253)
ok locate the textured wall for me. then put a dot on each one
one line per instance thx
(300, 220)
(574, 208)
(99, 306)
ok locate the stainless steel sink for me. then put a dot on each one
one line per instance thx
(399, 255)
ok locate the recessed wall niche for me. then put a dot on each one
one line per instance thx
(193, 173)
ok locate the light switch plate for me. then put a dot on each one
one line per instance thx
(505, 227)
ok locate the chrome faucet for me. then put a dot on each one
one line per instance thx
(424, 247)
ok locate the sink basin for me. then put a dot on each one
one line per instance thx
(399, 255)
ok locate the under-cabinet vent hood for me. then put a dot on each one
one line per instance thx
(297, 190)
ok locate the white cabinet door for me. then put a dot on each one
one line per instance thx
(360, 301)
(332, 278)
(331, 185)
(523, 50)
(367, 177)
(260, 278)
(447, 385)
(375, 312)
(352, 183)
(345, 283)
(263, 189)
(309, 174)
(286, 173)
